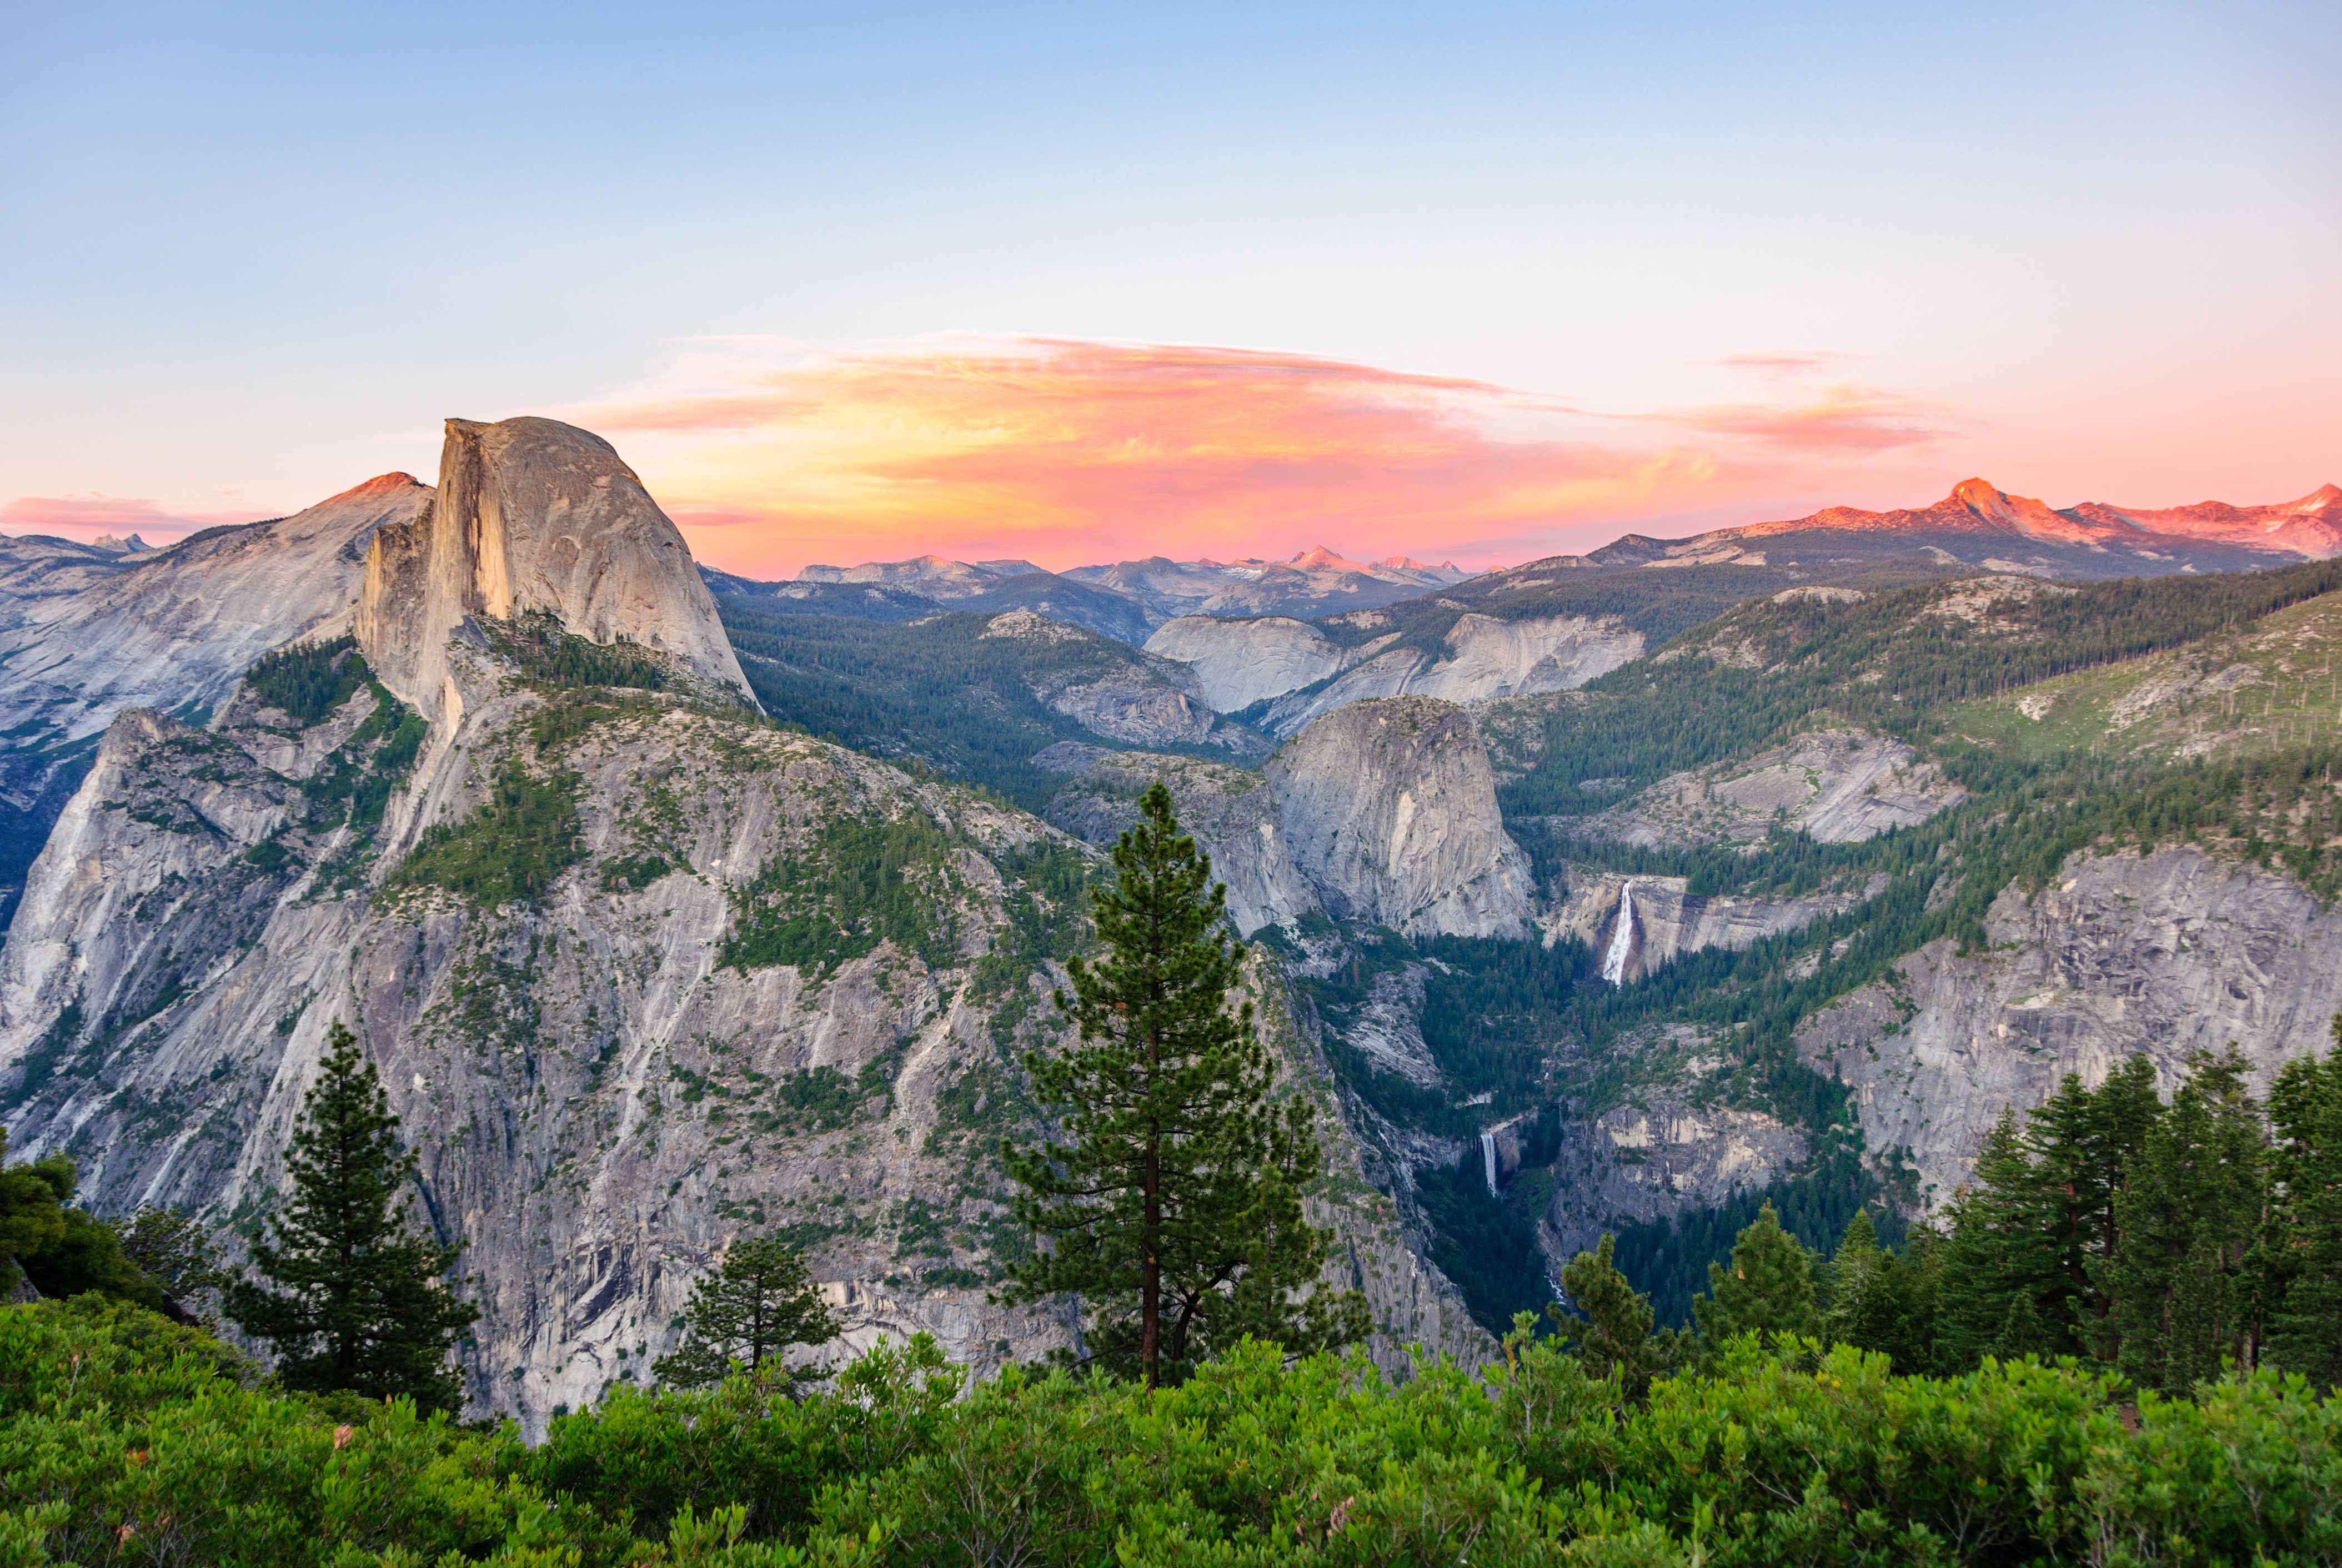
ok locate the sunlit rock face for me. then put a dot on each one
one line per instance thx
(533, 515)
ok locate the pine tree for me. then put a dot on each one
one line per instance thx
(1174, 1208)
(759, 1301)
(1614, 1331)
(1980, 1288)
(1883, 1301)
(1769, 1289)
(359, 1300)
(2181, 1296)
(2301, 1244)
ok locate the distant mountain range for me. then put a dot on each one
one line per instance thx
(1976, 526)
(1979, 525)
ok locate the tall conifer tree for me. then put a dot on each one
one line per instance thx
(2301, 1245)
(1173, 1209)
(2182, 1298)
(1769, 1289)
(760, 1300)
(356, 1298)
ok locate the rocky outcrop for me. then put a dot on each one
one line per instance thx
(1384, 813)
(1485, 658)
(1114, 693)
(85, 633)
(1840, 787)
(1231, 812)
(1241, 663)
(1659, 1157)
(535, 516)
(2164, 955)
(1390, 811)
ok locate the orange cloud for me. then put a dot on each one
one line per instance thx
(1065, 451)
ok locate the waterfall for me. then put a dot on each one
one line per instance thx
(1488, 1158)
(1622, 937)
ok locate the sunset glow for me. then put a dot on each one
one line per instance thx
(771, 454)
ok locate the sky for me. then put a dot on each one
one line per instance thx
(1086, 282)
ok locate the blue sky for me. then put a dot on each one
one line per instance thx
(255, 253)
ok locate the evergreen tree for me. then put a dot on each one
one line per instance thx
(1883, 1301)
(1768, 1290)
(1613, 1331)
(759, 1301)
(1175, 1209)
(2301, 1247)
(359, 1301)
(2182, 1299)
(1981, 1295)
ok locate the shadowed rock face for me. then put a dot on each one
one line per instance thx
(1389, 810)
(2162, 953)
(535, 515)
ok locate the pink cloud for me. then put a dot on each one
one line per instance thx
(87, 517)
(1778, 361)
(1844, 419)
(1067, 450)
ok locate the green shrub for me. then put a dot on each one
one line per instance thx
(309, 680)
(524, 834)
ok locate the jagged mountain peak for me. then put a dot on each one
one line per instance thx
(533, 515)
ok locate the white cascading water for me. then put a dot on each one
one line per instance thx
(1622, 937)
(1488, 1158)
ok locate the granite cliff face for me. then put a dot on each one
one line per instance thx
(1390, 812)
(87, 632)
(1383, 813)
(1668, 921)
(1303, 673)
(534, 516)
(1839, 786)
(680, 1018)
(2163, 953)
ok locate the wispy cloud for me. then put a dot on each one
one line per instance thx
(1065, 450)
(1777, 361)
(1846, 419)
(86, 517)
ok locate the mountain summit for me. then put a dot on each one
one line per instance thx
(535, 516)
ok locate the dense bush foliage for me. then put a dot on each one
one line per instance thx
(308, 680)
(124, 1440)
(524, 834)
(855, 882)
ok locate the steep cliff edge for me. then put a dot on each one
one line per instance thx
(535, 516)
(2162, 953)
(1383, 813)
(85, 634)
(1390, 812)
